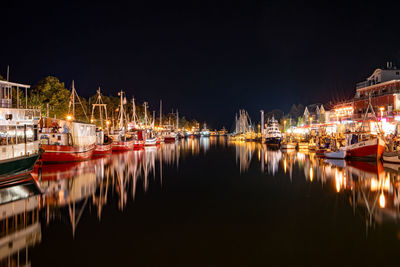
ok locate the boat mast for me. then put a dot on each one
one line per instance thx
(145, 114)
(177, 120)
(160, 113)
(262, 122)
(99, 103)
(133, 112)
(121, 110)
(73, 99)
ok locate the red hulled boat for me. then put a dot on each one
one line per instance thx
(368, 149)
(65, 141)
(103, 144)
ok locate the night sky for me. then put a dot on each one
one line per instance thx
(206, 58)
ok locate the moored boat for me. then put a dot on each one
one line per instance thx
(122, 142)
(103, 144)
(273, 135)
(170, 137)
(367, 149)
(340, 154)
(392, 157)
(67, 140)
(285, 145)
(18, 135)
(75, 142)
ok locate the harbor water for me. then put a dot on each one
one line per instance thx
(204, 202)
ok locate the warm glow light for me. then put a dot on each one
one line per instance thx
(284, 165)
(311, 174)
(108, 122)
(69, 117)
(382, 201)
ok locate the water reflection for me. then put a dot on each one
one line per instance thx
(19, 221)
(372, 188)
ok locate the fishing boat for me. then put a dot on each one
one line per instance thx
(103, 141)
(122, 141)
(273, 134)
(67, 140)
(368, 149)
(18, 134)
(340, 154)
(170, 137)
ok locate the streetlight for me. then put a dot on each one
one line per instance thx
(381, 109)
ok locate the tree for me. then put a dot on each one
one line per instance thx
(51, 92)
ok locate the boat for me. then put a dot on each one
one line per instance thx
(289, 145)
(103, 141)
(321, 151)
(139, 139)
(122, 141)
(392, 157)
(302, 145)
(151, 139)
(367, 149)
(170, 137)
(67, 140)
(273, 134)
(18, 134)
(340, 154)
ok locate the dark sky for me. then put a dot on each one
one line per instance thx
(206, 58)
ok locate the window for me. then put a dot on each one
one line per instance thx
(29, 133)
(397, 73)
(20, 134)
(35, 133)
(3, 135)
(11, 135)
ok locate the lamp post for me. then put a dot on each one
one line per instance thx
(381, 110)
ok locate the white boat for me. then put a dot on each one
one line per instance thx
(150, 141)
(274, 135)
(340, 154)
(303, 146)
(288, 145)
(19, 144)
(393, 157)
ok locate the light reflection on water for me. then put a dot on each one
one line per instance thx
(372, 187)
(63, 193)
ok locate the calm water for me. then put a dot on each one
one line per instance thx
(204, 202)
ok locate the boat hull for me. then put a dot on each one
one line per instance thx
(288, 146)
(122, 145)
(138, 144)
(18, 166)
(392, 157)
(341, 154)
(273, 141)
(370, 149)
(58, 153)
(151, 142)
(169, 139)
(102, 149)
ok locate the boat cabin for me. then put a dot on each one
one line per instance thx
(66, 133)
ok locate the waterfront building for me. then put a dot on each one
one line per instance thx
(383, 87)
